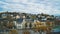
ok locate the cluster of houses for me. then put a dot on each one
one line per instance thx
(17, 20)
(22, 20)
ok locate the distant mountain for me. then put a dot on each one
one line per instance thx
(56, 14)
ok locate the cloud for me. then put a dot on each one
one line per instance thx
(31, 6)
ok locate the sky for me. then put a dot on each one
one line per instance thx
(31, 6)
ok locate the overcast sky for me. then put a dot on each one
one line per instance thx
(31, 6)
